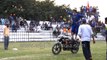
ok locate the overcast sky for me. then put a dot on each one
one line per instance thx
(102, 5)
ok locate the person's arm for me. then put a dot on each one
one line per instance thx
(69, 12)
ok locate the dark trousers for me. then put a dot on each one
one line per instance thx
(6, 42)
(106, 44)
(86, 50)
(106, 36)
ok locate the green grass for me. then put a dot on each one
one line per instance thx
(42, 51)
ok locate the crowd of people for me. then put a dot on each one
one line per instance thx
(90, 13)
(81, 20)
(12, 20)
(16, 23)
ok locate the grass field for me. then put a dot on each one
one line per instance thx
(42, 51)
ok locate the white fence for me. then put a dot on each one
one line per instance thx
(44, 35)
(33, 36)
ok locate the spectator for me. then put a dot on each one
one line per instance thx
(85, 32)
(6, 37)
(2, 21)
(32, 25)
(106, 28)
(106, 34)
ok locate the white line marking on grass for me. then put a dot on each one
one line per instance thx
(27, 56)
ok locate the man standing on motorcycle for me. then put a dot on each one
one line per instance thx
(76, 16)
(85, 32)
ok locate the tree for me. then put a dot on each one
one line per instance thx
(32, 9)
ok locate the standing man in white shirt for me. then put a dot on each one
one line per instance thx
(106, 28)
(85, 32)
(106, 35)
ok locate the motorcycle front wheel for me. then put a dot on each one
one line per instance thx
(56, 49)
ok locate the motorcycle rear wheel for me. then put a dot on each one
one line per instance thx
(75, 47)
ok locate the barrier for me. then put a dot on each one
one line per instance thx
(44, 35)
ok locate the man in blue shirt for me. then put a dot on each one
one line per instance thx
(76, 16)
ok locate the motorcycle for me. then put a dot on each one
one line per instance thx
(65, 43)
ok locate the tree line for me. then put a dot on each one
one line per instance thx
(32, 9)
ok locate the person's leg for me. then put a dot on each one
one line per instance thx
(106, 36)
(85, 50)
(5, 42)
(73, 31)
(89, 51)
(106, 44)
